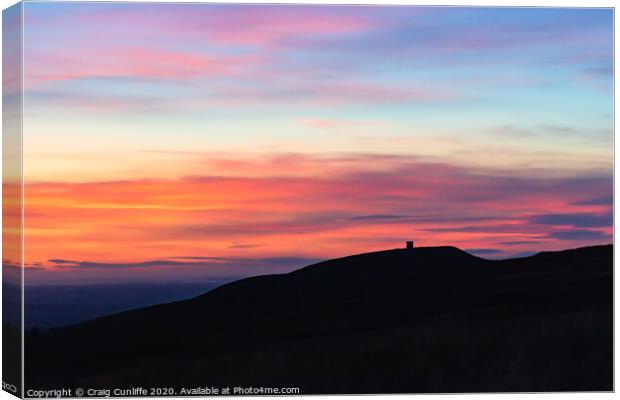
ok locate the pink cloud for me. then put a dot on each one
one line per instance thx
(268, 26)
(208, 41)
(367, 92)
(131, 62)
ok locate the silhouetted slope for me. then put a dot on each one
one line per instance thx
(423, 320)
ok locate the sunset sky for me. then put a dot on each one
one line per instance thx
(174, 142)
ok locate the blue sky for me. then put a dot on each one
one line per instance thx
(503, 112)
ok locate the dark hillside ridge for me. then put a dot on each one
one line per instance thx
(397, 321)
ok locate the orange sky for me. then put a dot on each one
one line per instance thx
(367, 203)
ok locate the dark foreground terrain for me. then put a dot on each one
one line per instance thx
(424, 320)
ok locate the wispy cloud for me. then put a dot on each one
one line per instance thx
(379, 217)
(546, 130)
(202, 262)
(578, 220)
(581, 235)
(596, 201)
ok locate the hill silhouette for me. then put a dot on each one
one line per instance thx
(431, 319)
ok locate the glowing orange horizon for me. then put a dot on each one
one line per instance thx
(355, 210)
